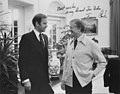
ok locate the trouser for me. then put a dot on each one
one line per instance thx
(77, 88)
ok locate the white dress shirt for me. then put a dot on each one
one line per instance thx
(37, 35)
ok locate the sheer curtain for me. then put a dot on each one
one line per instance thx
(115, 25)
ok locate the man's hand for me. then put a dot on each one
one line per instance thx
(62, 85)
(27, 85)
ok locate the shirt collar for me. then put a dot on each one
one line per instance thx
(82, 39)
(36, 32)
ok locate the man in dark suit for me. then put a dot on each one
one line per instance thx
(33, 58)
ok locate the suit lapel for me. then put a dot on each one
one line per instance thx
(36, 43)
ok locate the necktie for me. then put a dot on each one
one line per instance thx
(75, 43)
(41, 40)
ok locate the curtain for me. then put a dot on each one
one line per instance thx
(115, 25)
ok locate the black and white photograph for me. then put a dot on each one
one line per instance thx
(59, 46)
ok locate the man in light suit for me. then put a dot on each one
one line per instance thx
(81, 53)
(33, 58)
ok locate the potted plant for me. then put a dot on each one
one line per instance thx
(62, 43)
(8, 62)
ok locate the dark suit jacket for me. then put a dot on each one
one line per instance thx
(33, 63)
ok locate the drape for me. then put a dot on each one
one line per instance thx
(115, 25)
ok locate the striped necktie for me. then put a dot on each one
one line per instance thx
(41, 40)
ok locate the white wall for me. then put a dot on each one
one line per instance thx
(29, 13)
(1, 5)
(4, 8)
(43, 5)
(1, 8)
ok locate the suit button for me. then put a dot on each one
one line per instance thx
(71, 67)
(73, 57)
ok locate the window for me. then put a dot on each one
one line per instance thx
(13, 21)
(16, 22)
(51, 33)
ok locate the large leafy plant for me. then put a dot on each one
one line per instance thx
(62, 43)
(8, 61)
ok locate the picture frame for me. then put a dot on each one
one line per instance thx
(91, 26)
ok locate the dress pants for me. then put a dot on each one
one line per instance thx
(77, 88)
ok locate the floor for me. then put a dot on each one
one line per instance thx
(98, 86)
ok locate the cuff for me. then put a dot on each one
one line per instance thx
(27, 80)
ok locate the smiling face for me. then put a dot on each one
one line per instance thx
(77, 27)
(74, 30)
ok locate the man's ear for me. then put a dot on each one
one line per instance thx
(36, 24)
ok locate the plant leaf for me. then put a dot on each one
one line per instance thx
(6, 73)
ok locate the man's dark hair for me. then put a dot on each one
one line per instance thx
(38, 18)
(79, 24)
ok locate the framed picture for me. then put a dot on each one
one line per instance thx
(91, 26)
